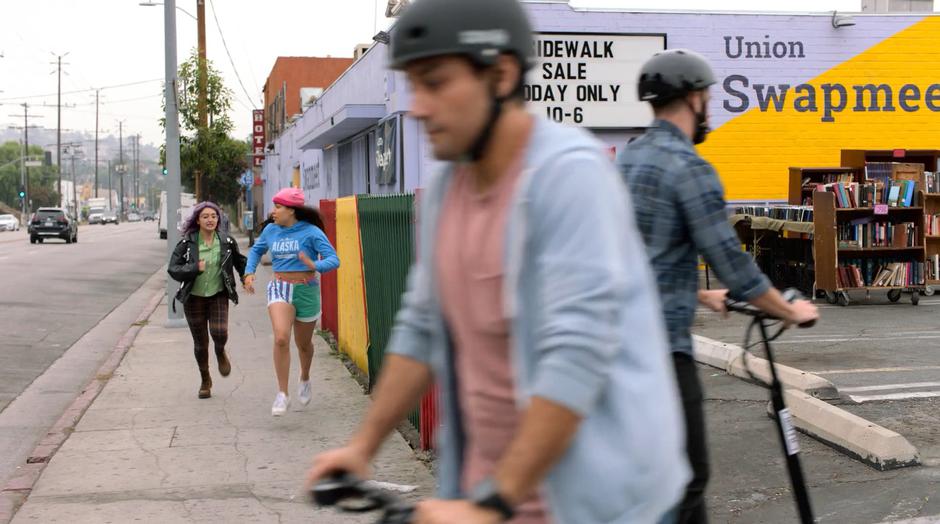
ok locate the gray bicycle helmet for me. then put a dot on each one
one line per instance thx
(478, 29)
(671, 74)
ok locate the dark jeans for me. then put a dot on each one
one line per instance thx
(692, 509)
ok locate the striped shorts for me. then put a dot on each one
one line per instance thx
(304, 297)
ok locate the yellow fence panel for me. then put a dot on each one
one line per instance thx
(353, 325)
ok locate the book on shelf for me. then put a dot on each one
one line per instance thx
(865, 233)
(880, 273)
(878, 171)
(933, 182)
(778, 212)
(827, 178)
(933, 267)
(895, 193)
(932, 224)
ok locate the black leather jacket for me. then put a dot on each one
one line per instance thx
(184, 265)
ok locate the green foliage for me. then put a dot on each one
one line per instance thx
(219, 157)
(43, 180)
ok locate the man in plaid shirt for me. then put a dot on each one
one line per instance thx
(680, 208)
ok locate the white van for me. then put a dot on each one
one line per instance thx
(187, 201)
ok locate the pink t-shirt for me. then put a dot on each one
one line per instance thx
(469, 266)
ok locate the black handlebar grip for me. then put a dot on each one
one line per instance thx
(332, 490)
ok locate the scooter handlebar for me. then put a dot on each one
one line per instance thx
(790, 295)
(353, 495)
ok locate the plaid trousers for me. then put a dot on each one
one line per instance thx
(205, 316)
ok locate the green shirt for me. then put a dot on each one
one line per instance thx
(209, 281)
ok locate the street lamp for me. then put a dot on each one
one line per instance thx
(154, 4)
(174, 315)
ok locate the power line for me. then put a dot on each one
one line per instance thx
(90, 89)
(108, 102)
(225, 45)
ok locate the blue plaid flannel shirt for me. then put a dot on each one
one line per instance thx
(680, 210)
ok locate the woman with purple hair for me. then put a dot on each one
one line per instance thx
(203, 264)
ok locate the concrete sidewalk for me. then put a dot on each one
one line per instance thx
(147, 450)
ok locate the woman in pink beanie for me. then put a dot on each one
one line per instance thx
(299, 251)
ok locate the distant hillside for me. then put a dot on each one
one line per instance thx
(108, 145)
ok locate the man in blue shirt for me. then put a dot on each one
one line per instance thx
(680, 210)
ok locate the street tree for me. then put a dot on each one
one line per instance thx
(42, 180)
(212, 151)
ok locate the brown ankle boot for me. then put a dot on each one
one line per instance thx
(205, 389)
(225, 367)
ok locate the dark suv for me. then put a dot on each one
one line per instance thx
(52, 222)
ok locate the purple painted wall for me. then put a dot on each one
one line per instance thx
(814, 44)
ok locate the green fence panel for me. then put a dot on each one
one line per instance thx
(386, 225)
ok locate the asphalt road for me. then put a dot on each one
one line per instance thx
(883, 359)
(53, 293)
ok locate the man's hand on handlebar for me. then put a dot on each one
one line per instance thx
(802, 312)
(350, 459)
(714, 299)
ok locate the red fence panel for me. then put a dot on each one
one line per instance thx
(328, 285)
(430, 418)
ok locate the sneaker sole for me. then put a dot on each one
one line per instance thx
(280, 413)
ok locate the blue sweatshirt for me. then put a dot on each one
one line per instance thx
(286, 243)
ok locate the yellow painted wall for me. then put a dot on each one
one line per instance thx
(753, 151)
(353, 325)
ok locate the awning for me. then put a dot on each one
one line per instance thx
(346, 122)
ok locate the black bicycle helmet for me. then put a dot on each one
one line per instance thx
(478, 29)
(671, 74)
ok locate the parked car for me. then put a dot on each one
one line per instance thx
(94, 215)
(133, 217)
(52, 222)
(9, 223)
(148, 216)
(110, 217)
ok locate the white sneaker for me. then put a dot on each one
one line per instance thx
(281, 402)
(304, 392)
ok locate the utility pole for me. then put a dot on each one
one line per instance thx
(203, 90)
(97, 92)
(174, 314)
(72, 150)
(24, 169)
(137, 173)
(58, 140)
(110, 189)
(121, 169)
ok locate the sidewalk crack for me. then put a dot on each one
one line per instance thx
(143, 448)
(249, 484)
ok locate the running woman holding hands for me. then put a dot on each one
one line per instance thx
(299, 251)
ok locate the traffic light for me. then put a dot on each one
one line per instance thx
(164, 171)
(22, 193)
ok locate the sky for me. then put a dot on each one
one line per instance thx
(118, 46)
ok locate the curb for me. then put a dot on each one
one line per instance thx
(865, 441)
(18, 487)
(730, 358)
(920, 520)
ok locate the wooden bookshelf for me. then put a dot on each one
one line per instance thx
(857, 158)
(797, 194)
(826, 221)
(932, 207)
